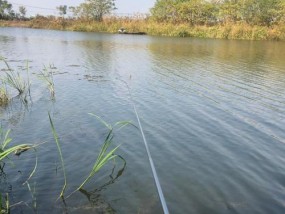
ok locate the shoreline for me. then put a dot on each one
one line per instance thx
(237, 31)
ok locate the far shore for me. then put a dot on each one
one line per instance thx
(241, 31)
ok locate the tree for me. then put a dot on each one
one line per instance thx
(5, 9)
(62, 10)
(22, 11)
(200, 12)
(164, 10)
(95, 9)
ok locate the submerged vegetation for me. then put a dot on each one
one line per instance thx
(4, 204)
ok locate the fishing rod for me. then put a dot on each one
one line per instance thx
(154, 173)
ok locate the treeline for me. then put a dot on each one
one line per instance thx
(212, 12)
(88, 10)
(8, 13)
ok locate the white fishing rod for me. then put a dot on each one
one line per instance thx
(156, 179)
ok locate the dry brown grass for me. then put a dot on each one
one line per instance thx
(112, 24)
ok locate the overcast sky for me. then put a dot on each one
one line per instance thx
(124, 6)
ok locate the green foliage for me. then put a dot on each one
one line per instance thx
(200, 12)
(5, 151)
(22, 11)
(94, 9)
(6, 11)
(62, 10)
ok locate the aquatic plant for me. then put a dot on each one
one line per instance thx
(33, 194)
(4, 205)
(15, 80)
(60, 155)
(46, 75)
(4, 97)
(105, 155)
(17, 149)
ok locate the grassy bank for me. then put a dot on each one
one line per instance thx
(111, 25)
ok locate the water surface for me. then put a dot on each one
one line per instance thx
(212, 112)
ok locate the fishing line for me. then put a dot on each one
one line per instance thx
(156, 179)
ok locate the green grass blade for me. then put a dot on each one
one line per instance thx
(14, 149)
(101, 120)
(6, 140)
(60, 154)
(34, 170)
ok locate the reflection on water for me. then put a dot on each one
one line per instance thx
(212, 110)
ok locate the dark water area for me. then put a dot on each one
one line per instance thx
(212, 112)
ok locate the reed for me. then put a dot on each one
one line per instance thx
(106, 154)
(103, 158)
(4, 97)
(15, 80)
(227, 30)
(46, 75)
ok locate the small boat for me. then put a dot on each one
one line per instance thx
(124, 31)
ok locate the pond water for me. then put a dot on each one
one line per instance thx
(212, 112)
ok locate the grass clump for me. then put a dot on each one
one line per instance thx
(15, 80)
(4, 98)
(46, 75)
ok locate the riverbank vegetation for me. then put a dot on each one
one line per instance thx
(229, 19)
(222, 31)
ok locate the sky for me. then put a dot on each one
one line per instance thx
(48, 7)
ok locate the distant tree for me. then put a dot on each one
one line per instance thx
(95, 9)
(164, 10)
(22, 11)
(199, 12)
(6, 11)
(62, 10)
